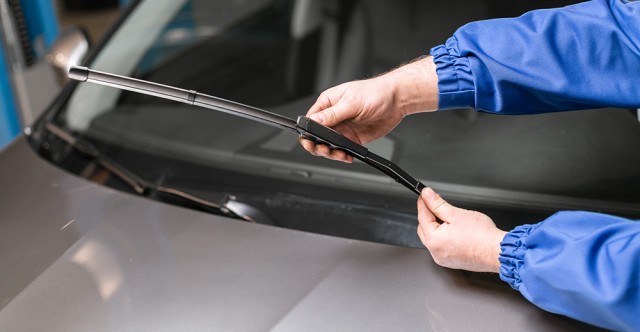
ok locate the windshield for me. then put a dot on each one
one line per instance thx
(278, 56)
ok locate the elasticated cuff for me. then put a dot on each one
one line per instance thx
(456, 88)
(512, 256)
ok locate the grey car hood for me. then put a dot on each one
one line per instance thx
(77, 256)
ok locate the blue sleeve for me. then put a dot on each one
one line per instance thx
(579, 264)
(577, 57)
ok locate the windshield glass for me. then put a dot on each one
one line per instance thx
(279, 55)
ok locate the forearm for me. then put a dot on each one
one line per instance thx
(490, 255)
(415, 86)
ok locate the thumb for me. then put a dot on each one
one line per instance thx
(333, 115)
(440, 208)
(427, 222)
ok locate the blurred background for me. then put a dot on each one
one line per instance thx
(29, 32)
(94, 15)
(37, 36)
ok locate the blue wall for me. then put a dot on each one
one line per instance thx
(42, 26)
(9, 124)
(42, 23)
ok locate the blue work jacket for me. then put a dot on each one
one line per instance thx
(579, 264)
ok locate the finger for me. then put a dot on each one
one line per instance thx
(427, 221)
(334, 154)
(308, 145)
(440, 208)
(341, 155)
(333, 115)
(323, 150)
(421, 236)
(321, 103)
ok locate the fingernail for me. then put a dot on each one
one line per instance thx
(429, 194)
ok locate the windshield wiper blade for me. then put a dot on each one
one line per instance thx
(302, 125)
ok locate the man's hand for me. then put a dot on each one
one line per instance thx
(361, 110)
(366, 110)
(458, 238)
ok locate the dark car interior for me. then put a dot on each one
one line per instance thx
(516, 169)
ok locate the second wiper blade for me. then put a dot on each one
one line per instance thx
(302, 125)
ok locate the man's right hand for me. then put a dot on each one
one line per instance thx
(362, 111)
(366, 110)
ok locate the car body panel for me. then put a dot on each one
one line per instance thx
(78, 256)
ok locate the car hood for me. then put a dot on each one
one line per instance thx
(78, 256)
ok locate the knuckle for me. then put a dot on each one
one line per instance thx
(438, 260)
(331, 116)
(439, 204)
(435, 247)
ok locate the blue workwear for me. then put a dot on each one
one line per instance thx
(579, 264)
(577, 57)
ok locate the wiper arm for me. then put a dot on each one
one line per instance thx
(229, 207)
(138, 185)
(302, 126)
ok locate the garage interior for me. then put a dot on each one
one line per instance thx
(125, 211)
